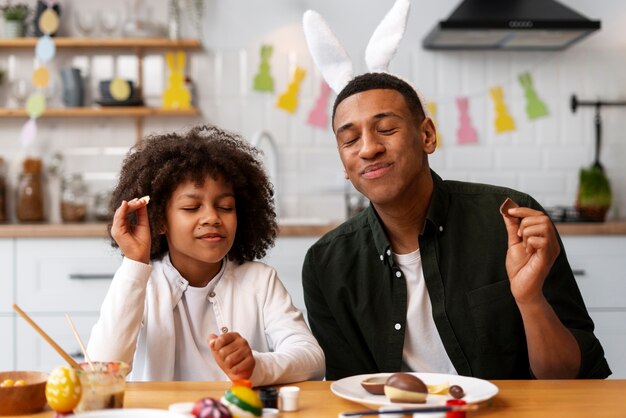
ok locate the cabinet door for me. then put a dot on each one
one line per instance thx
(6, 275)
(64, 274)
(599, 264)
(611, 331)
(287, 258)
(7, 342)
(34, 353)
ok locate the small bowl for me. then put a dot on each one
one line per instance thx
(22, 400)
(375, 385)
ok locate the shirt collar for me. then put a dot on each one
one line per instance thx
(435, 217)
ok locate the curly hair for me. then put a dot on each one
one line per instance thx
(160, 163)
(372, 81)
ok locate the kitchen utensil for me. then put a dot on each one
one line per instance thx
(433, 409)
(80, 341)
(46, 337)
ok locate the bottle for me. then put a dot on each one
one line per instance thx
(29, 206)
(3, 193)
(74, 199)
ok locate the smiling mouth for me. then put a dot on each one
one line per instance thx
(210, 237)
(376, 170)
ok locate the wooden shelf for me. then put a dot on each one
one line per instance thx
(141, 43)
(110, 111)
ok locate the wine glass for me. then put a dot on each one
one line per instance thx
(20, 89)
(85, 22)
(109, 20)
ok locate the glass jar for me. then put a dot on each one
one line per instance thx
(3, 192)
(74, 199)
(29, 207)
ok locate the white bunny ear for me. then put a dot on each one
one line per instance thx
(385, 39)
(328, 54)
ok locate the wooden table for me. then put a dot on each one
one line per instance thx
(517, 398)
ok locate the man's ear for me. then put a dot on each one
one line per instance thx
(345, 174)
(429, 135)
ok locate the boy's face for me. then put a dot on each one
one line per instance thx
(201, 222)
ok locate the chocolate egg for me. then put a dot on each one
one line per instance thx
(456, 391)
(405, 388)
(374, 385)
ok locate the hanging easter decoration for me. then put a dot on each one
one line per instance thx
(432, 108)
(503, 120)
(535, 107)
(319, 116)
(176, 95)
(45, 50)
(465, 134)
(263, 80)
(288, 101)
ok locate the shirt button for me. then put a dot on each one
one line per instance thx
(398, 274)
(441, 229)
(397, 327)
(224, 330)
(388, 252)
(212, 294)
(382, 257)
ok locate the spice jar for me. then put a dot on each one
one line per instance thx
(3, 192)
(74, 199)
(29, 192)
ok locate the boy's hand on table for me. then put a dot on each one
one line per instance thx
(233, 354)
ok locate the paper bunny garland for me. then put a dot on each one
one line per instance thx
(333, 60)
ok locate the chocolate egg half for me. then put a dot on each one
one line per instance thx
(405, 388)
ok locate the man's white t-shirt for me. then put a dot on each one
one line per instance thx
(193, 323)
(423, 349)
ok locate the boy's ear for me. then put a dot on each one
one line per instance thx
(429, 135)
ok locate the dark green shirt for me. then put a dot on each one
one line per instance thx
(356, 295)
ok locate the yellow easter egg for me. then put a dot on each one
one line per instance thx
(41, 77)
(49, 21)
(63, 389)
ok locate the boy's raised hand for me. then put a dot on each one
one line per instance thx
(134, 241)
(233, 354)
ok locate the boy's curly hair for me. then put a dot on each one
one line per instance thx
(159, 163)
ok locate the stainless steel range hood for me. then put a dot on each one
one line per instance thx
(510, 25)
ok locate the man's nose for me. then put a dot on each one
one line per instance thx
(371, 145)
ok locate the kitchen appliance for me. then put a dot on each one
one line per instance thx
(510, 25)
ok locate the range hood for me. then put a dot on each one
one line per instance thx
(510, 25)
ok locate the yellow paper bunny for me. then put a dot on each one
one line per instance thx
(288, 101)
(176, 95)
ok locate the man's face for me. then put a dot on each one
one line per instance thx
(382, 145)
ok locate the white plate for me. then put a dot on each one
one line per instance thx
(130, 413)
(476, 390)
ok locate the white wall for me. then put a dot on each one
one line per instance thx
(542, 157)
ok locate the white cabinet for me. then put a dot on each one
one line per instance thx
(64, 274)
(53, 277)
(6, 342)
(34, 353)
(6, 275)
(599, 264)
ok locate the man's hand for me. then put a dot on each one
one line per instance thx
(134, 242)
(533, 247)
(233, 354)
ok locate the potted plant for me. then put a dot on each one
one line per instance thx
(14, 19)
(594, 194)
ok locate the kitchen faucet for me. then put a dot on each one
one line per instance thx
(266, 143)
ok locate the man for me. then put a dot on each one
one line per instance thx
(431, 277)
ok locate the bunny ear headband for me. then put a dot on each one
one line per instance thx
(333, 60)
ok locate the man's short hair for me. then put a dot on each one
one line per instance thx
(373, 81)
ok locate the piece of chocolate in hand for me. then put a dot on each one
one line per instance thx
(506, 205)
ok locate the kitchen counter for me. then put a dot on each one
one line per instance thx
(87, 230)
(79, 230)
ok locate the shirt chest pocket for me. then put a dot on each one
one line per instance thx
(497, 320)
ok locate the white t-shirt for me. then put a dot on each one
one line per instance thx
(193, 323)
(423, 349)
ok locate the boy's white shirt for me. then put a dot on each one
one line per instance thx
(136, 322)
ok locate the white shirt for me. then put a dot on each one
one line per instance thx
(137, 322)
(194, 359)
(423, 349)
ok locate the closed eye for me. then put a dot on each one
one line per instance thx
(190, 208)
